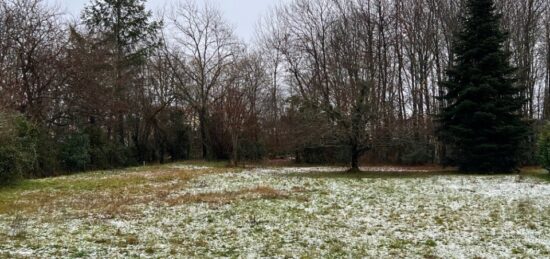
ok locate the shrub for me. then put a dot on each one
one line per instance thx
(251, 150)
(75, 152)
(47, 150)
(18, 147)
(121, 155)
(27, 142)
(544, 147)
(417, 153)
(99, 148)
(10, 164)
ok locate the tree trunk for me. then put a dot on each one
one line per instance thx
(234, 152)
(546, 102)
(204, 139)
(354, 158)
(162, 154)
(121, 130)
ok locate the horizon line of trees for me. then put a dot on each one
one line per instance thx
(325, 81)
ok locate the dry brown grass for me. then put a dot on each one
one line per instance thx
(120, 194)
(260, 192)
(107, 194)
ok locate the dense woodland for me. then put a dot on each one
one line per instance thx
(325, 81)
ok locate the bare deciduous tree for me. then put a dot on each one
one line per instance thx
(31, 51)
(201, 52)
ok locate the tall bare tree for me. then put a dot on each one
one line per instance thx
(201, 53)
(31, 54)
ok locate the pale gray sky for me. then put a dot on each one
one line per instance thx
(242, 14)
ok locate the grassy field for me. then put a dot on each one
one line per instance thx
(207, 210)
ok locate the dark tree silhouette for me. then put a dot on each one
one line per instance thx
(482, 122)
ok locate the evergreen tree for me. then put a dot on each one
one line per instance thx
(126, 27)
(126, 24)
(481, 121)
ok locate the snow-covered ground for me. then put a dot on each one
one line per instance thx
(303, 216)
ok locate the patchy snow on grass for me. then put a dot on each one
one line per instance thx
(394, 169)
(191, 167)
(386, 217)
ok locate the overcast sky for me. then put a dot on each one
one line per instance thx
(242, 14)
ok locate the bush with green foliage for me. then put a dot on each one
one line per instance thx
(121, 155)
(18, 147)
(28, 139)
(544, 147)
(417, 154)
(10, 164)
(99, 151)
(75, 152)
(47, 151)
(251, 150)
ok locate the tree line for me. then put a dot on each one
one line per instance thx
(324, 81)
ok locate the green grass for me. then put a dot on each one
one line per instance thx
(537, 172)
(92, 180)
(62, 186)
(73, 183)
(131, 178)
(153, 198)
(544, 176)
(118, 187)
(39, 191)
